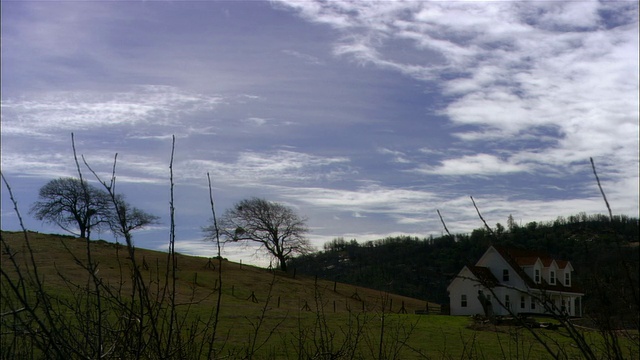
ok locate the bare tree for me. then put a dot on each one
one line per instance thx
(71, 203)
(277, 228)
(127, 218)
(132, 315)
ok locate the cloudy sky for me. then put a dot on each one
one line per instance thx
(364, 116)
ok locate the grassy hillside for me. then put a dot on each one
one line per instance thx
(263, 314)
(197, 276)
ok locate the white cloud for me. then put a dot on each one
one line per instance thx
(75, 111)
(478, 164)
(398, 156)
(48, 165)
(252, 168)
(510, 67)
(310, 59)
(246, 170)
(364, 200)
(572, 16)
(256, 121)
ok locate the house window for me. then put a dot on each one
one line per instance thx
(505, 275)
(522, 302)
(463, 300)
(537, 276)
(567, 279)
(533, 304)
(552, 277)
(507, 302)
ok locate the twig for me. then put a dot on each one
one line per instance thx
(593, 166)
(13, 312)
(219, 297)
(481, 218)
(442, 221)
(90, 264)
(171, 257)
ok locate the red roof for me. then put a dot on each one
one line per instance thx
(484, 275)
(518, 258)
(526, 261)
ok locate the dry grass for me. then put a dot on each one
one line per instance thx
(54, 255)
(292, 313)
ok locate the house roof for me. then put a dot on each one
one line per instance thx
(484, 275)
(517, 258)
(526, 261)
(529, 257)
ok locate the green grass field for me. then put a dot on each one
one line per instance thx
(269, 314)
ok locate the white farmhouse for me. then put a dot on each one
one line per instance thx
(512, 281)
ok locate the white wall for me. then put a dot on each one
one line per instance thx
(465, 284)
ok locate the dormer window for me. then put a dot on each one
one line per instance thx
(505, 275)
(567, 279)
(537, 276)
(552, 277)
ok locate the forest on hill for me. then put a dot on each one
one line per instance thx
(603, 251)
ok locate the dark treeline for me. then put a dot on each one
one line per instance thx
(604, 254)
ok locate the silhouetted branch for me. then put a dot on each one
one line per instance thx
(443, 224)
(593, 166)
(481, 218)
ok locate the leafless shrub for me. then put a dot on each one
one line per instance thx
(136, 318)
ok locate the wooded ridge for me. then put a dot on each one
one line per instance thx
(602, 252)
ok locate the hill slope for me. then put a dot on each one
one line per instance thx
(53, 307)
(58, 258)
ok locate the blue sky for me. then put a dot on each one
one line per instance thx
(364, 116)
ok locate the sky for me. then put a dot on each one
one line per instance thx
(364, 117)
